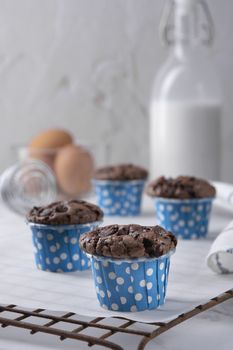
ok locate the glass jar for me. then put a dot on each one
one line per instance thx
(26, 184)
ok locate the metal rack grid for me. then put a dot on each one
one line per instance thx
(127, 326)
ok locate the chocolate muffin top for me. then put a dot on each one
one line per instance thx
(65, 212)
(128, 241)
(182, 187)
(121, 172)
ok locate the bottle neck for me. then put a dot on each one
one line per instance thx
(187, 26)
(186, 29)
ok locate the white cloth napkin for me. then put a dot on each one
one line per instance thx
(224, 191)
(220, 256)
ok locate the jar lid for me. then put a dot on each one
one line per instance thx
(26, 184)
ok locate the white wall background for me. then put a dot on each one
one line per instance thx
(88, 66)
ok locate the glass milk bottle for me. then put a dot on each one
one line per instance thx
(186, 102)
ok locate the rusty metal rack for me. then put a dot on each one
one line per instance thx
(21, 319)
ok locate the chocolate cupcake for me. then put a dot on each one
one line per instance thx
(130, 265)
(56, 229)
(119, 189)
(183, 204)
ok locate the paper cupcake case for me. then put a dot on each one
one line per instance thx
(120, 198)
(133, 285)
(56, 248)
(187, 219)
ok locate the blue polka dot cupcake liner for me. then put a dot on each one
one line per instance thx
(131, 285)
(119, 198)
(56, 248)
(186, 218)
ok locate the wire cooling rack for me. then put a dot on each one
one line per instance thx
(12, 315)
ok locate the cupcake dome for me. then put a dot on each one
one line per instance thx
(128, 241)
(65, 213)
(121, 172)
(182, 187)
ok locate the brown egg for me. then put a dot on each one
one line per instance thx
(45, 145)
(51, 138)
(74, 167)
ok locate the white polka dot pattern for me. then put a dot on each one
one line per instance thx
(187, 219)
(99, 280)
(73, 240)
(69, 266)
(120, 280)
(142, 283)
(120, 198)
(133, 308)
(127, 270)
(161, 266)
(134, 266)
(149, 272)
(114, 307)
(49, 237)
(123, 300)
(56, 260)
(138, 296)
(149, 299)
(57, 250)
(63, 256)
(129, 286)
(53, 249)
(96, 266)
(112, 275)
(130, 289)
(102, 294)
